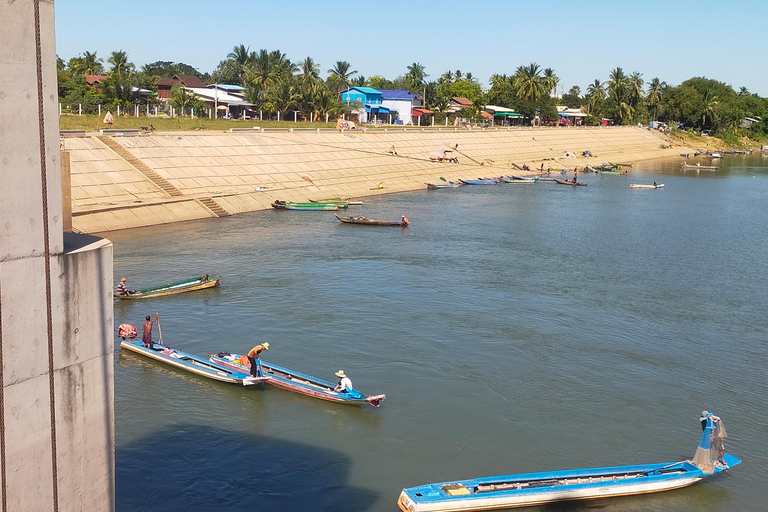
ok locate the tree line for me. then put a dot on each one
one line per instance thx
(274, 83)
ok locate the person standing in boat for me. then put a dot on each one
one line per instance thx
(575, 174)
(344, 385)
(122, 289)
(147, 336)
(404, 220)
(255, 360)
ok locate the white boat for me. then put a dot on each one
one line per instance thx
(635, 185)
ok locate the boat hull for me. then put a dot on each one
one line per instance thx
(201, 283)
(521, 181)
(567, 182)
(541, 488)
(298, 382)
(480, 182)
(188, 362)
(660, 185)
(363, 221)
(438, 186)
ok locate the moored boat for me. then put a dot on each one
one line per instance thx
(521, 181)
(635, 185)
(297, 382)
(569, 182)
(370, 222)
(342, 200)
(438, 186)
(288, 205)
(191, 363)
(699, 167)
(581, 484)
(488, 181)
(184, 285)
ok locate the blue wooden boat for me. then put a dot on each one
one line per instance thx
(581, 484)
(520, 181)
(491, 181)
(295, 381)
(191, 363)
(438, 186)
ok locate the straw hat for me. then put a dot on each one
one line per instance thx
(265, 345)
(340, 374)
(704, 414)
(122, 279)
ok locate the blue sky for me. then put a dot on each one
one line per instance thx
(580, 40)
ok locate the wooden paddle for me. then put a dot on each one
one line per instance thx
(159, 329)
(442, 179)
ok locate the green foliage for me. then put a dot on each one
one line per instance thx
(166, 69)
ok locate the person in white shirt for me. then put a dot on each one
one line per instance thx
(344, 385)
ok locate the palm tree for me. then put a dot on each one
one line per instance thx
(243, 59)
(550, 80)
(262, 67)
(617, 85)
(458, 75)
(469, 78)
(655, 92)
(528, 82)
(710, 104)
(635, 86)
(595, 94)
(283, 95)
(359, 81)
(415, 76)
(119, 61)
(89, 64)
(341, 70)
(310, 71)
(743, 92)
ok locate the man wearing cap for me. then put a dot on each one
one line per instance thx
(253, 358)
(121, 288)
(344, 385)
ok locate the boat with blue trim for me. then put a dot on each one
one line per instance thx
(438, 186)
(191, 363)
(581, 484)
(297, 382)
(487, 181)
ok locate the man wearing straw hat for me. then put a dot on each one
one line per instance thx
(253, 358)
(344, 385)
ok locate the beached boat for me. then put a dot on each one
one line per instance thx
(635, 185)
(490, 181)
(699, 167)
(610, 172)
(288, 205)
(438, 186)
(369, 222)
(191, 363)
(346, 200)
(513, 179)
(569, 182)
(296, 382)
(184, 285)
(581, 484)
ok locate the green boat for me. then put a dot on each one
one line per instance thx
(185, 285)
(288, 205)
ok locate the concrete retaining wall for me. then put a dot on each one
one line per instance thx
(228, 173)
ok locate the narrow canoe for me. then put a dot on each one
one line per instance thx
(615, 173)
(297, 382)
(287, 205)
(634, 185)
(480, 182)
(184, 285)
(365, 221)
(438, 186)
(348, 202)
(517, 180)
(569, 182)
(687, 167)
(191, 363)
(531, 489)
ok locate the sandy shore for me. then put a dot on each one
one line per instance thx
(132, 181)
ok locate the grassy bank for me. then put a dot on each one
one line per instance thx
(91, 123)
(700, 143)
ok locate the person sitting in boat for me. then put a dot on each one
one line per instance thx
(344, 385)
(404, 220)
(575, 174)
(655, 184)
(147, 336)
(122, 288)
(254, 359)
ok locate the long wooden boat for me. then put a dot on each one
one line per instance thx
(521, 181)
(491, 181)
(569, 182)
(699, 167)
(193, 364)
(635, 185)
(184, 285)
(369, 222)
(297, 382)
(438, 186)
(288, 205)
(615, 173)
(345, 200)
(557, 486)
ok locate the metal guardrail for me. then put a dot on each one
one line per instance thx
(115, 131)
(72, 133)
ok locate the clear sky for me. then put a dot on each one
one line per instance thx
(581, 40)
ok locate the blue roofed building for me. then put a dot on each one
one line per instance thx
(408, 106)
(369, 98)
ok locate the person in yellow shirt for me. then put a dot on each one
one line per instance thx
(253, 358)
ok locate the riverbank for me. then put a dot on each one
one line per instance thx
(132, 181)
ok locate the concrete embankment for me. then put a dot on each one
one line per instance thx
(125, 182)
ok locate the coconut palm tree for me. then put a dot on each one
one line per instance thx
(595, 94)
(309, 69)
(617, 85)
(655, 92)
(243, 59)
(743, 92)
(710, 102)
(87, 64)
(635, 88)
(528, 83)
(550, 80)
(119, 61)
(261, 68)
(341, 70)
(415, 76)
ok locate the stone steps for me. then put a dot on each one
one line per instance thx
(140, 166)
(214, 207)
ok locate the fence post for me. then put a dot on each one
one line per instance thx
(260, 119)
(118, 111)
(59, 108)
(79, 109)
(278, 115)
(99, 109)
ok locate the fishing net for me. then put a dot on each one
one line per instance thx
(711, 447)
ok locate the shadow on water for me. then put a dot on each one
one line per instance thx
(194, 468)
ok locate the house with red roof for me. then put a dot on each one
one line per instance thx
(164, 84)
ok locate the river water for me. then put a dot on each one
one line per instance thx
(513, 328)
